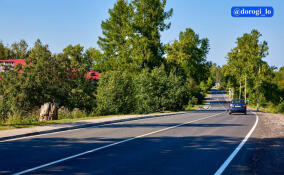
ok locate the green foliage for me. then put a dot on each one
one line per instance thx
(245, 64)
(97, 59)
(37, 82)
(18, 50)
(131, 60)
(191, 102)
(46, 78)
(132, 35)
(156, 91)
(5, 52)
(188, 56)
(115, 93)
(280, 107)
(193, 90)
(203, 87)
(64, 113)
(82, 92)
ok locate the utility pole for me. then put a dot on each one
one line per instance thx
(245, 88)
(258, 84)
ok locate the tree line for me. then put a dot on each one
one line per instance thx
(139, 73)
(249, 76)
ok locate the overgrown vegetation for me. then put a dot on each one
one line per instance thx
(246, 72)
(140, 74)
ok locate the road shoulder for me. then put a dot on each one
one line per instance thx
(268, 155)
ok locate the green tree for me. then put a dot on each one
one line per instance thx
(97, 59)
(115, 42)
(115, 93)
(4, 52)
(157, 90)
(19, 50)
(188, 56)
(132, 35)
(246, 67)
(82, 93)
(149, 20)
(40, 80)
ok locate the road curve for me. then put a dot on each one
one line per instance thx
(197, 142)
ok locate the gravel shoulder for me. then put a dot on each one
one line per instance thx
(268, 155)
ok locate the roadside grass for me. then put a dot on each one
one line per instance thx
(31, 121)
(65, 116)
(267, 108)
(194, 107)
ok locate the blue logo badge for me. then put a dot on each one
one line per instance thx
(252, 11)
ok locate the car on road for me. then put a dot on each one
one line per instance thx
(238, 106)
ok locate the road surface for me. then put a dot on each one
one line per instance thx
(197, 142)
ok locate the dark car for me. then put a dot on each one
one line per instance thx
(238, 105)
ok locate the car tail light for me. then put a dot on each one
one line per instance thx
(244, 105)
(230, 105)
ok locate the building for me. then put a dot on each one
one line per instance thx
(90, 75)
(10, 63)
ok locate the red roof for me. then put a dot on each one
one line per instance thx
(90, 74)
(17, 61)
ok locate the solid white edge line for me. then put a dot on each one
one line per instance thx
(235, 152)
(106, 146)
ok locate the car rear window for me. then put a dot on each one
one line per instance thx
(238, 101)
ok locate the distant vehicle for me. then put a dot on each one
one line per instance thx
(90, 75)
(238, 106)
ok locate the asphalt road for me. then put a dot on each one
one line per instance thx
(197, 142)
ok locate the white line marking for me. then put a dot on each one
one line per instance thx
(110, 145)
(235, 152)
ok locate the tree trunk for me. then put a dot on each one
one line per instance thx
(258, 90)
(240, 93)
(48, 111)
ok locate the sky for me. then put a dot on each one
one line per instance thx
(59, 23)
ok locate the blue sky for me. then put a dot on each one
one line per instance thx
(62, 22)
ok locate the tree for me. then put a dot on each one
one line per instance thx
(41, 80)
(4, 52)
(132, 35)
(19, 50)
(82, 91)
(115, 93)
(115, 43)
(97, 59)
(148, 22)
(245, 64)
(157, 90)
(188, 56)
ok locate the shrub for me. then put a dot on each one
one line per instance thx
(280, 107)
(155, 91)
(115, 93)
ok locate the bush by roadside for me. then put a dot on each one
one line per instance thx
(115, 93)
(157, 91)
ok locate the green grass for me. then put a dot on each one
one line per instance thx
(25, 124)
(267, 108)
(67, 117)
(33, 120)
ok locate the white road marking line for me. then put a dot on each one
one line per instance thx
(235, 152)
(110, 145)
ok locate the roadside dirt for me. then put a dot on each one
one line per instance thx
(268, 155)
